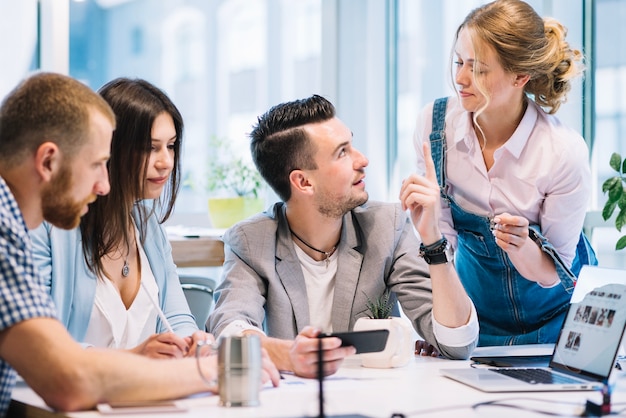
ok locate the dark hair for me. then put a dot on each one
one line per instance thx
(279, 145)
(47, 107)
(136, 103)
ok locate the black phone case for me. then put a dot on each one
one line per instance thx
(369, 341)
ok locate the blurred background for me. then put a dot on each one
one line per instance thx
(224, 62)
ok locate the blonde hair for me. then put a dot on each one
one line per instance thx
(525, 43)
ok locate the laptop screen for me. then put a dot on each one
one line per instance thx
(590, 337)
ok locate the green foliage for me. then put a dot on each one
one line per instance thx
(614, 186)
(381, 307)
(230, 172)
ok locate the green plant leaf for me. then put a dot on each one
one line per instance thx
(381, 307)
(622, 201)
(616, 161)
(616, 191)
(620, 220)
(610, 183)
(608, 209)
(621, 243)
(617, 196)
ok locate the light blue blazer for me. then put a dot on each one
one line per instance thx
(59, 255)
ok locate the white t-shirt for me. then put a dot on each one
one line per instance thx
(319, 277)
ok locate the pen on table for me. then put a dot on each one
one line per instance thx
(158, 309)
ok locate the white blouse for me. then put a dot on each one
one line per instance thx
(112, 325)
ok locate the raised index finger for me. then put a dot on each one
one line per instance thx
(430, 174)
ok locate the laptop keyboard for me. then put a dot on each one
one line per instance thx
(535, 376)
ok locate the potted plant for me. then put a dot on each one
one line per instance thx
(234, 185)
(614, 186)
(381, 307)
(399, 347)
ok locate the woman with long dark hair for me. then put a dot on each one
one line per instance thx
(107, 276)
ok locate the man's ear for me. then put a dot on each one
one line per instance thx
(47, 160)
(300, 181)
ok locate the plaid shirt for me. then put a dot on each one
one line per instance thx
(22, 295)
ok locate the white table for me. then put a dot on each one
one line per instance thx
(414, 390)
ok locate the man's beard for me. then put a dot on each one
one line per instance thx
(57, 204)
(334, 208)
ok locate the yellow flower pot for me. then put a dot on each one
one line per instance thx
(225, 212)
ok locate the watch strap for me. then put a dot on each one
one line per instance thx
(435, 253)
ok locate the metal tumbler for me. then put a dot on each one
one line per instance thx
(239, 359)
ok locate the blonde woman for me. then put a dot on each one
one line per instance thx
(515, 182)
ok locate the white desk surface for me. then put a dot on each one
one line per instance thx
(416, 390)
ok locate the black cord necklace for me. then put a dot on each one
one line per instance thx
(327, 254)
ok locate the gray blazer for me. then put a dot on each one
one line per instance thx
(263, 283)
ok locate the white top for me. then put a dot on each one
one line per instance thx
(113, 326)
(541, 173)
(319, 278)
(320, 290)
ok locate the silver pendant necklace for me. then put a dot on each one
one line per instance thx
(125, 268)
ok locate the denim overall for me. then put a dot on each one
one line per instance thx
(511, 310)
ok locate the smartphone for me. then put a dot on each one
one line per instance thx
(369, 341)
(139, 407)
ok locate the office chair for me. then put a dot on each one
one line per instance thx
(199, 294)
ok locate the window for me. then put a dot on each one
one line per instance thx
(610, 90)
(223, 62)
(425, 33)
(18, 23)
(608, 118)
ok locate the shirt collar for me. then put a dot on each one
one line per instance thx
(515, 145)
(464, 131)
(7, 199)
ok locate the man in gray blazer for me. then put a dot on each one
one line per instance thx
(312, 261)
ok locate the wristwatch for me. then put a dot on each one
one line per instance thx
(436, 253)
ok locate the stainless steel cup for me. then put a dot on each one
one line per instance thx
(239, 376)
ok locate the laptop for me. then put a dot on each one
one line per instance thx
(585, 352)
